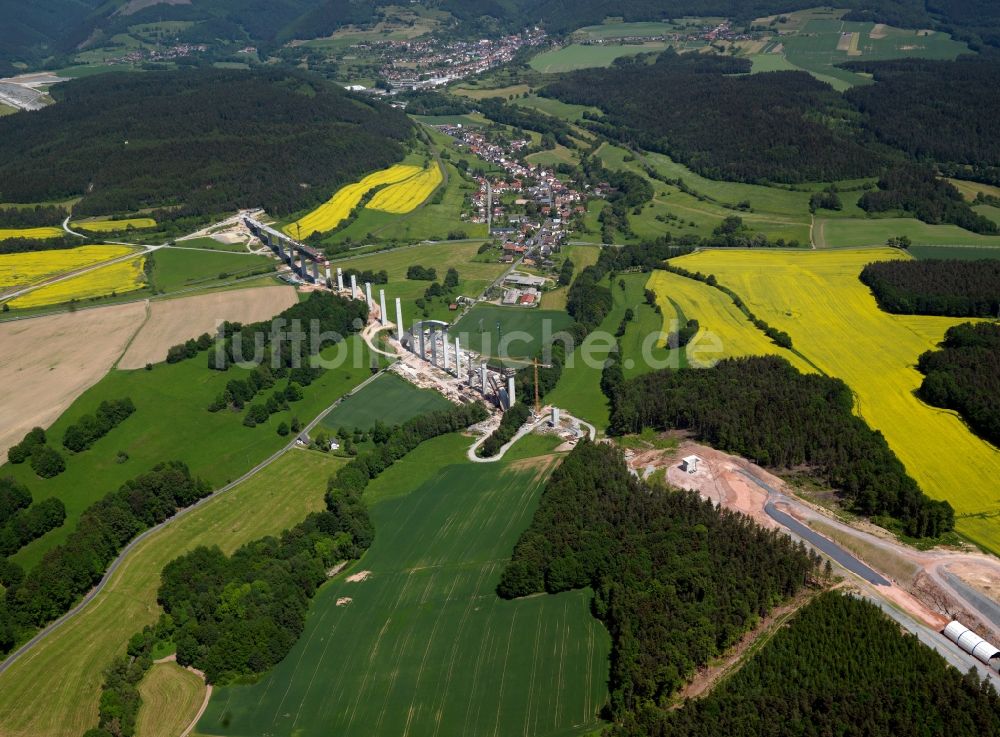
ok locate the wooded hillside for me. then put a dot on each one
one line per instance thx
(936, 287)
(752, 128)
(676, 580)
(210, 140)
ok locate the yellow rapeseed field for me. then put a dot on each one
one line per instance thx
(33, 233)
(330, 214)
(118, 278)
(834, 321)
(24, 269)
(114, 226)
(724, 331)
(405, 196)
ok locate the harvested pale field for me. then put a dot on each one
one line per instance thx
(833, 319)
(407, 195)
(47, 362)
(114, 226)
(878, 31)
(33, 233)
(332, 212)
(33, 267)
(175, 320)
(171, 697)
(107, 281)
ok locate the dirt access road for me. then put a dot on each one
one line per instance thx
(922, 590)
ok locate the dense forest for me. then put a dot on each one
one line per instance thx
(676, 580)
(706, 112)
(210, 140)
(21, 521)
(935, 110)
(841, 668)
(763, 409)
(965, 376)
(919, 191)
(936, 287)
(68, 571)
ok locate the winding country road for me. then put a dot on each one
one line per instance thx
(48, 630)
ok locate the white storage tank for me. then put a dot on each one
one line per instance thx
(972, 643)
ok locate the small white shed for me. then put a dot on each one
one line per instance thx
(690, 463)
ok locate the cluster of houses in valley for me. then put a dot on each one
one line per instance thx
(528, 208)
(426, 63)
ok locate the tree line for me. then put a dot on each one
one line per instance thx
(841, 667)
(91, 427)
(763, 409)
(964, 375)
(68, 571)
(918, 190)
(947, 287)
(22, 521)
(237, 616)
(44, 460)
(510, 423)
(676, 579)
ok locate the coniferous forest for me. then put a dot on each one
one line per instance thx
(209, 140)
(936, 287)
(676, 580)
(965, 376)
(841, 668)
(763, 409)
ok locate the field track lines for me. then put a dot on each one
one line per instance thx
(374, 653)
(336, 687)
(484, 571)
(401, 650)
(442, 610)
(539, 626)
(326, 645)
(588, 706)
(485, 643)
(503, 674)
(368, 670)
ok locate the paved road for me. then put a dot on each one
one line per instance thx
(12, 658)
(837, 553)
(826, 545)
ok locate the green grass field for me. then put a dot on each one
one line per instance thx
(557, 108)
(177, 269)
(424, 646)
(852, 232)
(962, 253)
(580, 56)
(390, 399)
(211, 244)
(815, 48)
(474, 276)
(171, 422)
(579, 387)
(523, 330)
(777, 212)
(273, 500)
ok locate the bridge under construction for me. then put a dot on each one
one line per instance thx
(311, 265)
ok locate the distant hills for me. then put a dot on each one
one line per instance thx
(45, 29)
